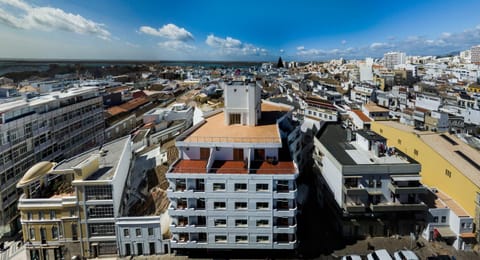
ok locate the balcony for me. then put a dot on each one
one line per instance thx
(355, 207)
(406, 190)
(354, 190)
(236, 167)
(291, 194)
(189, 166)
(274, 167)
(285, 245)
(391, 206)
(290, 229)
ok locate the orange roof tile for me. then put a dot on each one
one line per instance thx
(134, 103)
(362, 116)
(113, 111)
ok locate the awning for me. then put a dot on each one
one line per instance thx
(445, 232)
(467, 235)
(405, 177)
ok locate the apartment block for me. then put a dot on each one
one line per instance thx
(233, 186)
(448, 164)
(86, 191)
(371, 188)
(49, 127)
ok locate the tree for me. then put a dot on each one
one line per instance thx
(280, 63)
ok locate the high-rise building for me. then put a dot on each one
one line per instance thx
(393, 58)
(49, 127)
(233, 186)
(475, 54)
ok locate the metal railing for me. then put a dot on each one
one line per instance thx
(230, 139)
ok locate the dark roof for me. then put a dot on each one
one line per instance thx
(370, 135)
(334, 138)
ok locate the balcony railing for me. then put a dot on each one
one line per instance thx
(407, 190)
(230, 139)
(395, 206)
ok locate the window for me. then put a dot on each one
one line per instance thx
(262, 239)
(74, 232)
(435, 219)
(100, 211)
(29, 215)
(235, 118)
(444, 219)
(101, 229)
(150, 231)
(98, 192)
(379, 183)
(399, 141)
(220, 239)
(221, 222)
(218, 186)
(219, 205)
(448, 173)
(262, 223)
(40, 215)
(32, 233)
(126, 232)
(52, 214)
(72, 213)
(415, 152)
(240, 187)
(241, 239)
(262, 205)
(241, 223)
(262, 186)
(240, 205)
(138, 232)
(55, 232)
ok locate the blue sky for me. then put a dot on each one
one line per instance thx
(234, 30)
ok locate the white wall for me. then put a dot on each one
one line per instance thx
(334, 179)
(120, 176)
(193, 153)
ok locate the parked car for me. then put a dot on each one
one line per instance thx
(351, 257)
(405, 255)
(380, 254)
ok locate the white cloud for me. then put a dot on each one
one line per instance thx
(29, 17)
(343, 42)
(176, 46)
(300, 48)
(282, 50)
(169, 31)
(380, 45)
(231, 46)
(301, 51)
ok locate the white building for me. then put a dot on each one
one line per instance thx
(475, 54)
(373, 189)
(50, 127)
(391, 59)
(233, 186)
(365, 69)
(448, 221)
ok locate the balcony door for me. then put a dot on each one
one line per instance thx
(204, 153)
(259, 154)
(238, 154)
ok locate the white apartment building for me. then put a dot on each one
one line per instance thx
(371, 188)
(475, 54)
(390, 59)
(49, 127)
(233, 186)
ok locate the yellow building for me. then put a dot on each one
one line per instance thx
(447, 162)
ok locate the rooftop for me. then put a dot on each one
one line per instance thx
(334, 138)
(109, 155)
(266, 131)
(372, 107)
(459, 154)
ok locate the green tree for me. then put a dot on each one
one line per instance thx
(280, 63)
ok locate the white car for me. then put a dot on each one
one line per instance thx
(380, 254)
(405, 255)
(351, 257)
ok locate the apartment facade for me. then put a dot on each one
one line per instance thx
(372, 189)
(70, 208)
(50, 127)
(393, 58)
(233, 186)
(448, 164)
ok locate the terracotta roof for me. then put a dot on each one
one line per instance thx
(362, 116)
(138, 94)
(134, 103)
(372, 107)
(113, 111)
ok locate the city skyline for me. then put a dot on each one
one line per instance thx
(246, 31)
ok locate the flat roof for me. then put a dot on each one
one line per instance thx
(444, 201)
(108, 161)
(372, 107)
(45, 98)
(447, 149)
(334, 138)
(266, 131)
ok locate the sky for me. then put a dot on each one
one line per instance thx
(246, 30)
